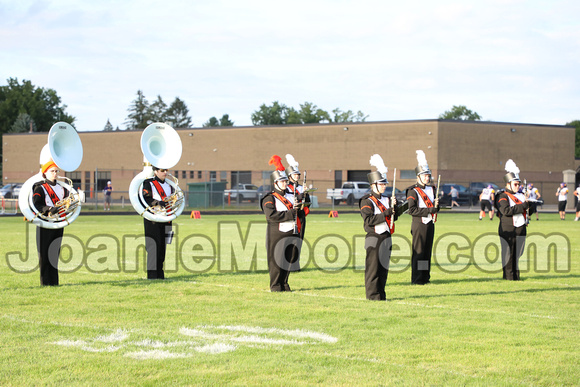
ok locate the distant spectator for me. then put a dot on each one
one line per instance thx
(108, 191)
(454, 196)
(533, 196)
(562, 194)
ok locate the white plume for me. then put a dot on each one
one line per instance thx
(510, 166)
(377, 161)
(421, 159)
(291, 161)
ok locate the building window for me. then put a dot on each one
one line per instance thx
(75, 178)
(408, 174)
(199, 176)
(87, 181)
(212, 176)
(191, 174)
(242, 177)
(183, 174)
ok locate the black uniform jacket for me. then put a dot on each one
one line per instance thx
(414, 210)
(367, 210)
(507, 212)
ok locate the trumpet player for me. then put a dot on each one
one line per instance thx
(46, 197)
(156, 192)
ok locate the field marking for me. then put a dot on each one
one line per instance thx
(206, 339)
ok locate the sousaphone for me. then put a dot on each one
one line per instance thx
(64, 147)
(161, 147)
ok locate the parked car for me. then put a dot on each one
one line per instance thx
(10, 191)
(400, 195)
(349, 192)
(242, 192)
(263, 190)
(476, 187)
(464, 199)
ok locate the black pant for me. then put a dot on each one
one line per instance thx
(378, 248)
(422, 247)
(281, 249)
(155, 244)
(48, 242)
(512, 248)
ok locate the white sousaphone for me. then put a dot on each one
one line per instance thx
(64, 147)
(161, 147)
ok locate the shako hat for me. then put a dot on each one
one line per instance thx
(422, 167)
(513, 172)
(292, 165)
(380, 175)
(279, 173)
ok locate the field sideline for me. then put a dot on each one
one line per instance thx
(207, 324)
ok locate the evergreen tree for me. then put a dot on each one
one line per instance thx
(138, 117)
(108, 127)
(24, 123)
(178, 115)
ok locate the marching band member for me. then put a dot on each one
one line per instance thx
(283, 230)
(157, 234)
(378, 213)
(486, 198)
(296, 194)
(512, 211)
(46, 195)
(423, 207)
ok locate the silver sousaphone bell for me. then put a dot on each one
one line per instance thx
(64, 147)
(161, 147)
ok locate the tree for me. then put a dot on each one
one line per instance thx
(309, 113)
(461, 113)
(24, 123)
(348, 116)
(43, 107)
(158, 110)
(178, 114)
(270, 115)
(576, 124)
(138, 117)
(225, 120)
(108, 126)
(214, 122)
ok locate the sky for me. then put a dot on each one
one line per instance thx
(510, 61)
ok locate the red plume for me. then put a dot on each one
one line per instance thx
(277, 161)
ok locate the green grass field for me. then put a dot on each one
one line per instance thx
(209, 324)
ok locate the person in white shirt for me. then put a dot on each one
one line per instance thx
(486, 198)
(533, 195)
(577, 194)
(562, 194)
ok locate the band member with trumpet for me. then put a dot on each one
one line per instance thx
(282, 235)
(156, 192)
(423, 207)
(300, 198)
(379, 215)
(512, 209)
(49, 202)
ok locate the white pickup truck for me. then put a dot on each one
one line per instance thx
(349, 192)
(242, 192)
